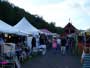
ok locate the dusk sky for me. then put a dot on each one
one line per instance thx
(59, 11)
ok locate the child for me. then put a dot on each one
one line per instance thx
(85, 59)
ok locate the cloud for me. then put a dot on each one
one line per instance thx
(59, 12)
(46, 2)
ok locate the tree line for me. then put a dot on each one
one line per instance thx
(12, 14)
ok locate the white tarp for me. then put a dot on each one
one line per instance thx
(28, 41)
(24, 26)
(5, 28)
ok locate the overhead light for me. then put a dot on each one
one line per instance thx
(9, 36)
(6, 35)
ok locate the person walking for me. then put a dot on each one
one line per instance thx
(54, 44)
(67, 44)
(58, 44)
(72, 46)
(42, 46)
(33, 49)
(63, 46)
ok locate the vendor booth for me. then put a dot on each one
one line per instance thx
(9, 36)
(84, 39)
(88, 37)
(24, 26)
(8, 58)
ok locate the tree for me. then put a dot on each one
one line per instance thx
(12, 15)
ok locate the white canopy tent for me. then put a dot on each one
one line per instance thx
(5, 28)
(24, 26)
(17, 32)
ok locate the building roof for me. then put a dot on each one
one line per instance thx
(69, 25)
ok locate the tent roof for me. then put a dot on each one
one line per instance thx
(45, 30)
(24, 26)
(6, 28)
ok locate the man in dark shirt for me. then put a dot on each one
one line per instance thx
(33, 42)
(63, 45)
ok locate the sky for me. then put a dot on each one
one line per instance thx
(59, 11)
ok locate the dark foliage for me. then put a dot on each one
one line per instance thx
(12, 15)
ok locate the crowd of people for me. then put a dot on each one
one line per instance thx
(67, 46)
(63, 45)
(60, 45)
